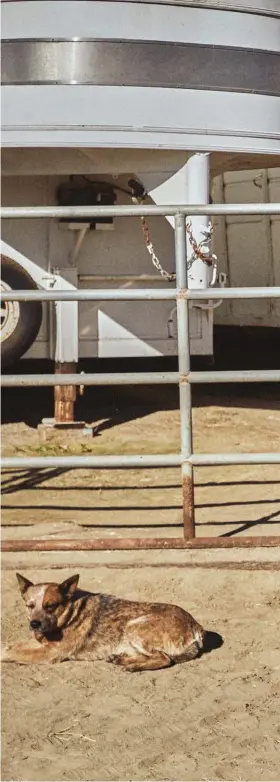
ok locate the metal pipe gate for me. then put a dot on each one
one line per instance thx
(186, 459)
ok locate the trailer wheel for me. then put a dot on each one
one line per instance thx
(20, 321)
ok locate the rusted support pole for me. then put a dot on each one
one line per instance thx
(184, 369)
(134, 544)
(64, 396)
(188, 500)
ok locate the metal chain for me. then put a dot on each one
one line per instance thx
(170, 276)
(201, 250)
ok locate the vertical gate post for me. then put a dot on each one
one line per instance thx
(184, 369)
(66, 354)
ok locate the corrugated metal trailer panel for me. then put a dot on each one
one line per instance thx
(248, 248)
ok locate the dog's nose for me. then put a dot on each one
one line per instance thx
(35, 624)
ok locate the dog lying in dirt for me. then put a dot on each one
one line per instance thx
(69, 624)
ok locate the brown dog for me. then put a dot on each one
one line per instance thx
(71, 624)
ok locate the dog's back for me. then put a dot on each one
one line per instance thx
(111, 627)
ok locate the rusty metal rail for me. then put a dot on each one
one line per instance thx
(186, 459)
(132, 544)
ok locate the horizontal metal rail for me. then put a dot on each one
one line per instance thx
(127, 461)
(142, 294)
(188, 210)
(123, 461)
(140, 378)
(215, 459)
(96, 294)
(236, 376)
(89, 379)
(131, 544)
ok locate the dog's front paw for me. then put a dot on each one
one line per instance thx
(9, 654)
(5, 654)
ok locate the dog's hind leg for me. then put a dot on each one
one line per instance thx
(193, 651)
(142, 662)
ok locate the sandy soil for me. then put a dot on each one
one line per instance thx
(146, 502)
(216, 718)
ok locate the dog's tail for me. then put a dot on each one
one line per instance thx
(198, 636)
(195, 643)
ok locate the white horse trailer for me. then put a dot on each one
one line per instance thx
(100, 98)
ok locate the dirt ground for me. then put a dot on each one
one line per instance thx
(216, 718)
(144, 502)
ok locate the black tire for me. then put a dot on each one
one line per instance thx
(30, 313)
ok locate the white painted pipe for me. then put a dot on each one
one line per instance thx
(198, 192)
(191, 184)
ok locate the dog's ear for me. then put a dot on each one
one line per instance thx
(69, 586)
(23, 583)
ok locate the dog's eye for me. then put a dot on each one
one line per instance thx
(51, 606)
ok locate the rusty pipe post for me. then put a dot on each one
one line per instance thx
(64, 396)
(184, 369)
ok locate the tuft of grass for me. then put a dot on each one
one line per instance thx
(96, 449)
